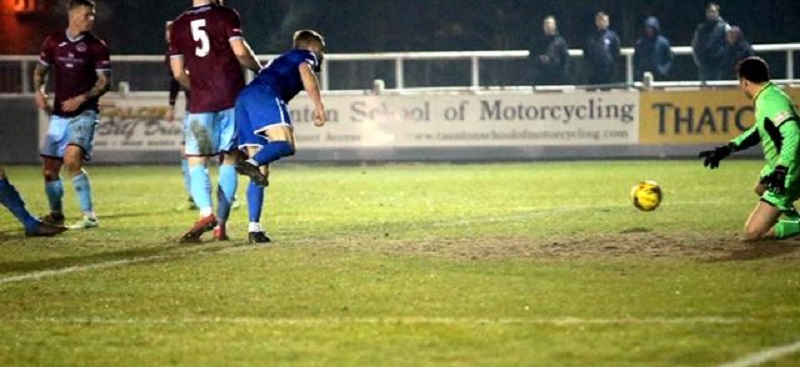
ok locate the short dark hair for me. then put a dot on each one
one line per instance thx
(77, 3)
(304, 37)
(754, 69)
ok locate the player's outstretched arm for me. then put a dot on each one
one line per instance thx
(39, 84)
(311, 85)
(746, 140)
(247, 58)
(178, 68)
(100, 88)
(711, 158)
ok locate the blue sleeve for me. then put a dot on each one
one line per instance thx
(312, 60)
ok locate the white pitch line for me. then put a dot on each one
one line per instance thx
(109, 264)
(759, 358)
(411, 320)
(35, 275)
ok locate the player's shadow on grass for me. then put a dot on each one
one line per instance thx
(133, 214)
(88, 259)
(760, 250)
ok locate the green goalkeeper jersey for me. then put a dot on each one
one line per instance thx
(776, 127)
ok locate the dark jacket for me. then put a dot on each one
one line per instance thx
(554, 70)
(601, 54)
(733, 54)
(708, 43)
(652, 54)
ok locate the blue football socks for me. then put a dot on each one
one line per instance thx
(228, 182)
(13, 201)
(201, 188)
(84, 192)
(55, 191)
(273, 151)
(255, 200)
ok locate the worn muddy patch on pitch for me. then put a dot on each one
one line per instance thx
(631, 243)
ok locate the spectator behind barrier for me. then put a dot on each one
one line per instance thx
(601, 52)
(652, 52)
(708, 45)
(549, 56)
(736, 49)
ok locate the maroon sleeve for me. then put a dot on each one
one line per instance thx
(233, 26)
(46, 55)
(102, 57)
(174, 40)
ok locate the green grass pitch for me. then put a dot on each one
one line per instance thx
(525, 264)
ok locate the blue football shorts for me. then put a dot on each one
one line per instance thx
(258, 109)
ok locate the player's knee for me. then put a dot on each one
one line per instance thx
(50, 174)
(753, 234)
(231, 157)
(73, 167)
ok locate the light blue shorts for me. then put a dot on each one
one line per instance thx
(66, 131)
(210, 133)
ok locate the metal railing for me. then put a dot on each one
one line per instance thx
(25, 67)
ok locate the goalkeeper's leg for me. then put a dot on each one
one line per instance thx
(759, 225)
(790, 213)
(778, 204)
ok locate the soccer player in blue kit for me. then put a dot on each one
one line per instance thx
(263, 119)
(10, 198)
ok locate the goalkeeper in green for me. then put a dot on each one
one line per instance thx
(776, 128)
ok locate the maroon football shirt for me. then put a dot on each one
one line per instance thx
(76, 63)
(202, 36)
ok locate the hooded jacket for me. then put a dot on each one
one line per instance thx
(652, 54)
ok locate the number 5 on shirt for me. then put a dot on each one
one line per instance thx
(199, 34)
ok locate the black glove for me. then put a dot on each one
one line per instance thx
(775, 181)
(712, 157)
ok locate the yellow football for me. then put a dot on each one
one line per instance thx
(646, 195)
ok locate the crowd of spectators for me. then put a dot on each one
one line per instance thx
(717, 47)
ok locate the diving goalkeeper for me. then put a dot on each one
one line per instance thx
(776, 127)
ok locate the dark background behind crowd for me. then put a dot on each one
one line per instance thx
(136, 27)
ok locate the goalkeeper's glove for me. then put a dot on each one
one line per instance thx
(776, 181)
(712, 157)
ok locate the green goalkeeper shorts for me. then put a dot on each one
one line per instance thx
(784, 202)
